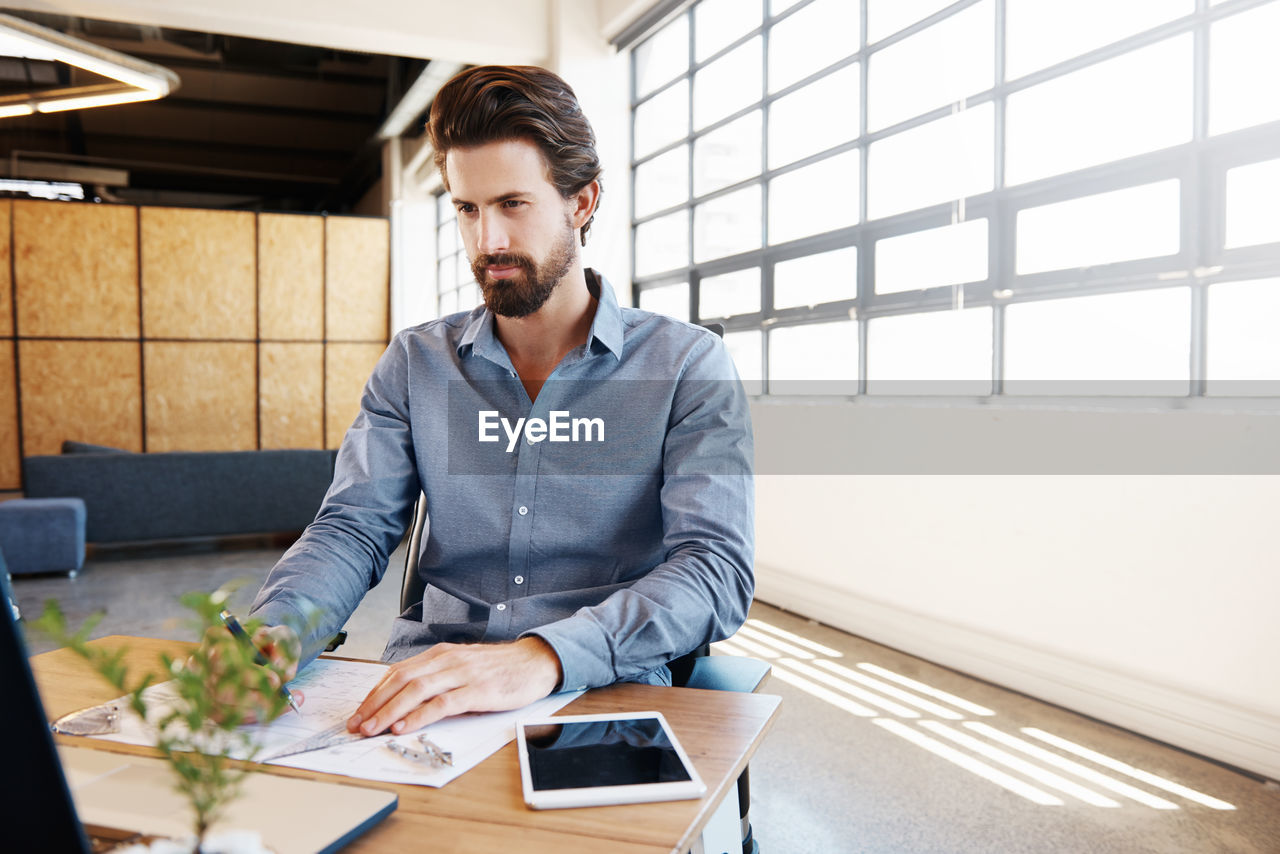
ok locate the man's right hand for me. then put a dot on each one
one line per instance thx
(281, 647)
(451, 679)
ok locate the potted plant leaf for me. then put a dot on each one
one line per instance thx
(198, 721)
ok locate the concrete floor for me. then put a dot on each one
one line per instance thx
(842, 771)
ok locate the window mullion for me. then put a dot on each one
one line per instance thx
(1135, 263)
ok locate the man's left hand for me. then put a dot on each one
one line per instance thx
(450, 679)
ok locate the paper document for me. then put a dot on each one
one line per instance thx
(333, 691)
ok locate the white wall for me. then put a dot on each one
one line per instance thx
(617, 15)
(1147, 600)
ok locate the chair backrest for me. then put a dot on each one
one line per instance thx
(412, 588)
(717, 328)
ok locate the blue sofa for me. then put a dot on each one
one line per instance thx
(136, 497)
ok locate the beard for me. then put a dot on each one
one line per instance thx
(526, 292)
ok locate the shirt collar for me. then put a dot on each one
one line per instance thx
(478, 334)
(607, 325)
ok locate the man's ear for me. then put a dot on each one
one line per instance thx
(583, 204)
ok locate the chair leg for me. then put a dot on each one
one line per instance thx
(749, 843)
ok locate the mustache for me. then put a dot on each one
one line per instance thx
(503, 259)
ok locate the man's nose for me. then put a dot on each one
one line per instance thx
(491, 236)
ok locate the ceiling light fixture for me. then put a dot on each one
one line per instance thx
(43, 189)
(136, 80)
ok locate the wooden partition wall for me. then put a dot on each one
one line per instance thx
(162, 329)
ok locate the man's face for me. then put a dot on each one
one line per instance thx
(517, 228)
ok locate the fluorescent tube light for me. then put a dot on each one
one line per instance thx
(95, 101)
(136, 80)
(42, 189)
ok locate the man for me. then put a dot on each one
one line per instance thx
(556, 558)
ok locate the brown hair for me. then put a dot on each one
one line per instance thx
(494, 103)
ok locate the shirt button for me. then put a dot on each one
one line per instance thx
(502, 606)
(519, 579)
(523, 511)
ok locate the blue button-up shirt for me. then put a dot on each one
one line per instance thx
(615, 521)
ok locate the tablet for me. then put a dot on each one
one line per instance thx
(593, 760)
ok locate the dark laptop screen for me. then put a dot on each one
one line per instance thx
(36, 810)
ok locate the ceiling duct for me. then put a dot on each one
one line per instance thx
(47, 171)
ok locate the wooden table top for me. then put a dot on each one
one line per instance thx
(484, 810)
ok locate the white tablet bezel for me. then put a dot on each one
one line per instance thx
(594, 796)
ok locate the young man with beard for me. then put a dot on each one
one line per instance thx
(549, 564)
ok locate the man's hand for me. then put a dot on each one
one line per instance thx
(450, 679)
(281, 647)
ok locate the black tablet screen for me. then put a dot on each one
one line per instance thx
(584, 754)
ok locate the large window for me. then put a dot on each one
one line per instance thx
(975, 197)
(457, 288)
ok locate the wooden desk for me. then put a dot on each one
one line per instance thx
(483, 811)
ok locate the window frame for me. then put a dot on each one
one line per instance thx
(1200, 167)
(456, 256)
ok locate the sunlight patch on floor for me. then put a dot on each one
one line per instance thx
(936, 721)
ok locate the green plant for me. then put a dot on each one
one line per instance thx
(216, 690)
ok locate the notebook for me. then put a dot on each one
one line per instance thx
(60, 798)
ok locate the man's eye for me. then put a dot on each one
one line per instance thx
(513, 203)
(466, 209)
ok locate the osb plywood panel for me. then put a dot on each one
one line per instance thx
(291, 395)
(357, 257)
(346, 369)
(200, 396)
(89, 391)
(6, 289)
(77, 269)
(198, 274)
(291, 277)
(10, 456)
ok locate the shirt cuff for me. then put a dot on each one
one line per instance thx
(277, 613)
(578, 643)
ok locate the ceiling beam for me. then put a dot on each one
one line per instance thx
(475, 32)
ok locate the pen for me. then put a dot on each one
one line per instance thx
(233, 626)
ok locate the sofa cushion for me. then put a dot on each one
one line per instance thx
(181, 494)
(70, 446)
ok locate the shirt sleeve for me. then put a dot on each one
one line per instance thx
(701, 592)
(320, 580)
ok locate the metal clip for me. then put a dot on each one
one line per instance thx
(430, 752)
(438, 756)
(95, 720)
